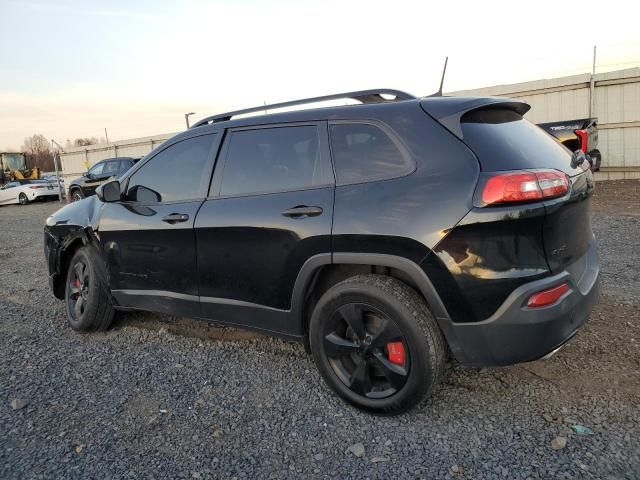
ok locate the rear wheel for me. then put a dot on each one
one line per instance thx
(76, 195)
(376, 344)
(87, 300)
(22, 198)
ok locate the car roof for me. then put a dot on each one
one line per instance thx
(116, 158)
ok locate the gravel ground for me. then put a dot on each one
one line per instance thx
(162, 397)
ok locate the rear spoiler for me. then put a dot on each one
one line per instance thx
(448, 111)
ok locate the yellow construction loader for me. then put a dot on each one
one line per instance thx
(13, 166)
(28, 174)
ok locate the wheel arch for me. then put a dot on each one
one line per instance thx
(68, 245)
(323, 271)
(73, 188)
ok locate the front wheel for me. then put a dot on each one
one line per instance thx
(376, 344)
(89, 306)
(76, 195)
(22, 198)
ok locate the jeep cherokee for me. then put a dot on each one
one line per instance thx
(385, 235)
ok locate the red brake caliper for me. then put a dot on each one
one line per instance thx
(396, 352)
(77, 283)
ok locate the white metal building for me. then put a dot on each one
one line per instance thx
(77, 160)
(616, 103)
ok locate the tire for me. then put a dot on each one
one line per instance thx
(597, 158)
(392, 313)
(22, 198)
(76, 195)
(84, 285)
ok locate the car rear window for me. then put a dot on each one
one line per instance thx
(503, 140)
(364, 152)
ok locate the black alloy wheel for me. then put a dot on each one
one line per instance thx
(376, 344)
(79, 284)
(87, 297)
(76, 196)
(366, 350)
(22, 198)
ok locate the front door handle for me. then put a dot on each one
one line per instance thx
(302, 211)
(175, 218)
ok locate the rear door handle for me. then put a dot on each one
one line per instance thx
(302, 211)
(176, 217)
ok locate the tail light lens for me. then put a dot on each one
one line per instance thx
(521, 186)
(34, 187)
(582, 136)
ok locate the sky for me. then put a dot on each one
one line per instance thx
(71, 68)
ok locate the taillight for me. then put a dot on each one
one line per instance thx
(582, 135)
(547, 297)
(522, 186)
(34, 187)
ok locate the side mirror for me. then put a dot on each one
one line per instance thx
(109, 192)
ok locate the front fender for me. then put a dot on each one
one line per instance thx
(71, 227)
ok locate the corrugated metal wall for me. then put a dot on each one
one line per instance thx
(616, 104)
(77, 160)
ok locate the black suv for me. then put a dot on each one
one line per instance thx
(100, 173)
(384, 235)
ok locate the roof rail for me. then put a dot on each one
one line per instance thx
(364, 96)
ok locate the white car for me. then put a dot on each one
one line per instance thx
(25, 191)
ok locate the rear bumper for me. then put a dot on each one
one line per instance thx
(43, 193)
(516, 333)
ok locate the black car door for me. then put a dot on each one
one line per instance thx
(148, 237)
(270, 209)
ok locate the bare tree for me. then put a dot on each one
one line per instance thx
(83, 142)
(38, 152)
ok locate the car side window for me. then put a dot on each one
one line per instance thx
(112, 167)
(125, 165)
(273, 160)
(178, 172)
(364, 152)
(11, 185)
(97, 169)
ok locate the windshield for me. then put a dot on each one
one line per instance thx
(96, 169)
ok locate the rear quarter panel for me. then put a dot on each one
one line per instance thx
(408, 216)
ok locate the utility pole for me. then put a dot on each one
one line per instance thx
(592, 85)
(55, 163)
(106, 136)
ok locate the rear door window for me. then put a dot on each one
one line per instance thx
(125, 165)
(111, 167)
(275, 159)
(364, 152)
